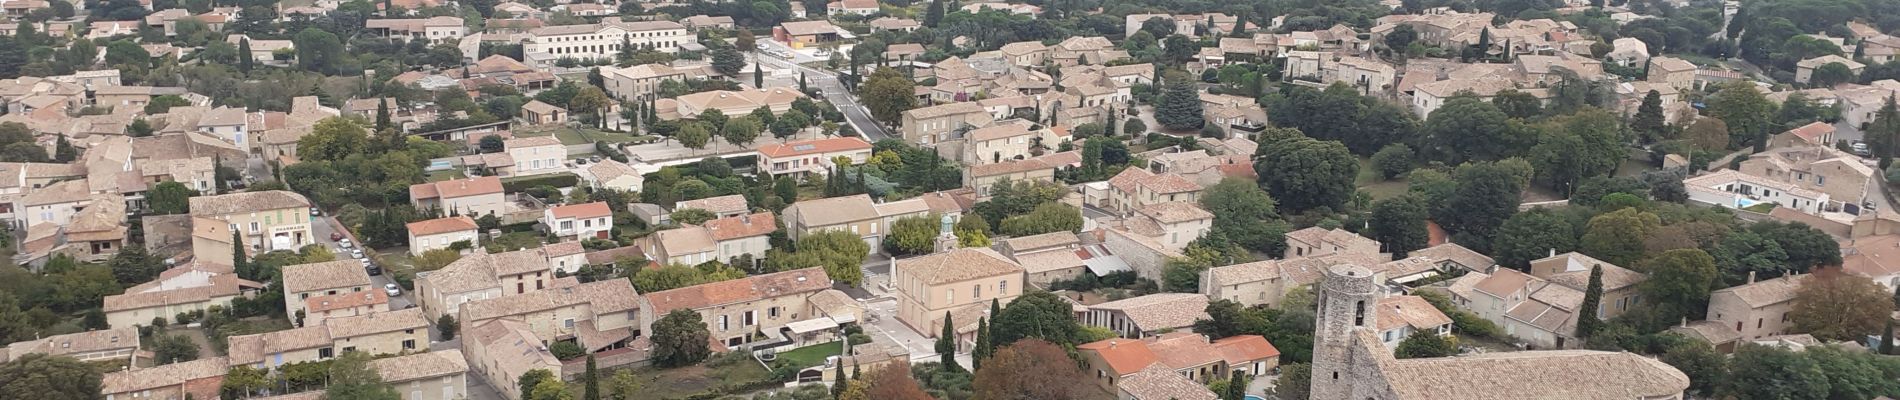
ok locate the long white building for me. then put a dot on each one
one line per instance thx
(603, 40)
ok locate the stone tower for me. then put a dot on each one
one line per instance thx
(1348, 297)
(946, 236)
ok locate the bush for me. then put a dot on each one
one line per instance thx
(560, 180)
(566, 350)
(1393, 160)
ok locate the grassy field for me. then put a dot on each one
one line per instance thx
(681, 382)
(1370, 181)
(811, 355)
(444, 175)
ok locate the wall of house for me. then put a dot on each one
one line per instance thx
(421, 244)
(1752, 323)
(447, 387)
(271, 230)
(728, 322)
(1248, 294)
(436, 303)
(524, 283)
(387, 342)
(538, 160)
(475, 206)
(143, 316)
(923, 303)
(313, 318)
(56, 213)
(293, 302)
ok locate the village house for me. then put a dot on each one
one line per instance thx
(985, 177)
(895, 24)
(394, 332)
(199, 379)
(303, 281)
(442, 233)
(1628, 52)
(533, 156)
(1134, 188)
(720, 206)
(1185, 355)
(702, 21)
(739, 311)
(267, 221)
(321, 308)
(1267, 282)
(612, 175)
(502, 351)
(595, 315)
(1048, 257)
(802, 34)
(1004, 140)
(538, 113)
(1804, 70)
(730, 102)
(1150, 315)
(1842, 177)
(958, 284)
(434, 29)
(474, 197)
(1172, 224)
(857, 214)
(940, 123)
(859, 7)
(482, 275)
(1735, 189)
(813, 156)
(101, 346)
(720, 240)
(1317, 241)
(1673, 72)
(641, 83)
(579, 221)
(435, 375)
(1758, 308)
(1815, 133)
(185, 288)
(1400, 316)
(1875, 257)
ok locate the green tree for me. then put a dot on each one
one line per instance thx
(680, 339)
(1304, 173)
(592, 381)
(913, 235)
(1516, 104)
(1486, 194)
(1179, 106)
(1246, 215)
(1425, 344)
(1582, 145)
(170, 198)
(1392, 160)
(1529, 235)
(246, 59)
(169, 349)
(727, 61)
(1679, 281)
(448, 326)
(1617, 237)
(1883, 133)
(1833, 305)
(1830, 74)
(1772, 372)
(1466, 128)
(982, 348)
(44, 377)
(1746, 111)
(351, 377)
(1587, 321)
(318, 50)
(1399, 224)
(333, 139)
(1712, 134)
(694, 135)
(841, 253)
(1294, 382)
(1046, 218)
(1704, 366)
(741, 131)
(888, 94)
(1035, 314)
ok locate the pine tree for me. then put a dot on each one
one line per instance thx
(758, 77)
(1648, 120)
(382, 114)
(947, 343)
(592, 390)
(245, 60)
(1587, 321)
(981, 350)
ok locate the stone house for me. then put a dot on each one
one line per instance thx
(303, 281)
(502, 350)
(1134, 188)
(1842, 177)
(741, 311)
(435, 375)
(1150, 315)
(1047, 257)
(473, 197)
(197, 378)
(719, 239)
(267, 221)
(597, 316)
(394, 332)
(1758, 308)
(1184, 354)
(441, 233)
(480, 276)
(1316, 241)
(944, 122)
(959, 283)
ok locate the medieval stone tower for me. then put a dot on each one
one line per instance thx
(1348, 296)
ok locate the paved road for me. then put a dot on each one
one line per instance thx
(834, 91)
(330, 225)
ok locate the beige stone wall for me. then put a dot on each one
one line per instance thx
(293, 302)
(1752, 323)
(451, 387)
(143, 316)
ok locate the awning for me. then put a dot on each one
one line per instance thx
(811, 325)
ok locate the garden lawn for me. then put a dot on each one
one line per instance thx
(678, 383)
(1369, 181)
(813, 354)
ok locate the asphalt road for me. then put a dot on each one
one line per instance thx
(330, 225)
(827, 82)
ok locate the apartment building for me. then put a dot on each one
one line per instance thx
(597, 316)
(472, 197)
(602, 40)
(939, 123)
(481, 276)
(719, 239)
(534, 156)
(737, 310)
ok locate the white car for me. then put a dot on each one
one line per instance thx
(345, 243)
(392, 289)
(356, 253)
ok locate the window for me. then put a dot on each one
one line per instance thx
(772, 312)
(950, 295)
(408, 344)
(1002, 288)
(568, 323)
(253, 226)
(1359, 314)
(976, 291)
(325, 353)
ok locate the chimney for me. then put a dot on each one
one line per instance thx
(1751, 276)
(1685, 321)
(746, 219)
(1553, 252)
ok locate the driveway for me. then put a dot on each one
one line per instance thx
(330, 225)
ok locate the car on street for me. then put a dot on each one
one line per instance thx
(1860, 149)
(392, 289)
(336, 236)
(345, 243)
(356, 253)
(371, 269)
(315, 212)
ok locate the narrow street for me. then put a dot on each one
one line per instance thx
(833, 90)
(327, 225)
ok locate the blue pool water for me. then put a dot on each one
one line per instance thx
(1253, 397)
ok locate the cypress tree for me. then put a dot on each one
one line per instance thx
(1886, 339)
(1236, 387)
(592, 391)
(935, 14)
(758, 77)
(802, 87)
(982, 350)
(245, 61)
(1240, 25)
(238, 263)
(382, 114)
(842, 384)
(1587, 322)
(947, 343)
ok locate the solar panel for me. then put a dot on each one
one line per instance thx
(804, 147)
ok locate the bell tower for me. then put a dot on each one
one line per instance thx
(1348, 296)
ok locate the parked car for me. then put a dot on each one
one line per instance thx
(345, 243)
(392, 289)
(336, 236)
(1860, 149)
(315, 212)
(356, 253)
(373, 270)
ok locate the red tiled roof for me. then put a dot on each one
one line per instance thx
(820, 146)
(589, 210)
(442, 225)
